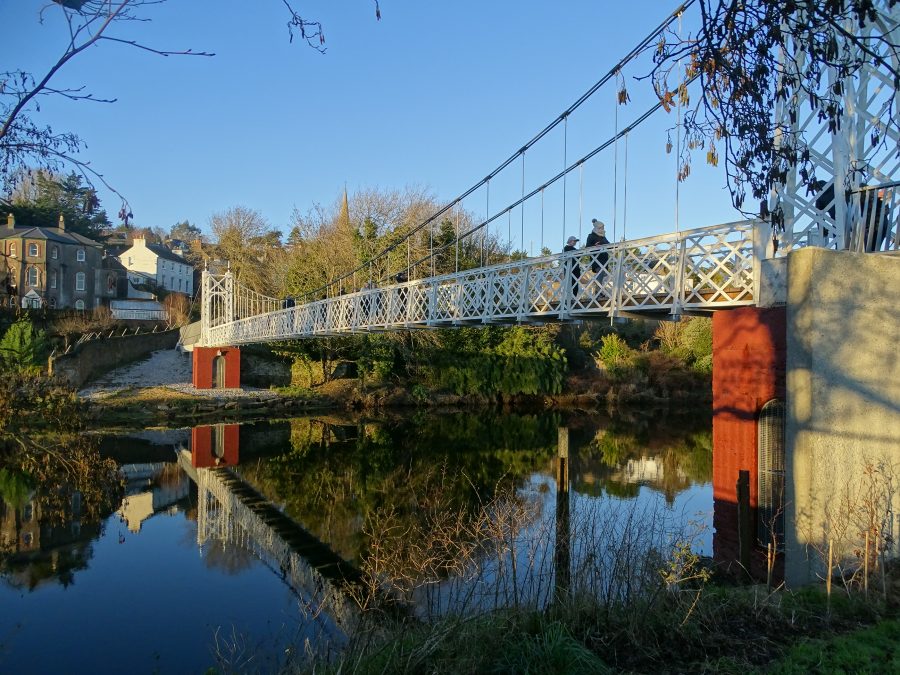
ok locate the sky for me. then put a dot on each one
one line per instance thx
(435, 96)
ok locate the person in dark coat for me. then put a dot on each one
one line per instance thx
(573, 263)
(597, 237)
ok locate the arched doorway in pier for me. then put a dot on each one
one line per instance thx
(770, 475)
(218, 372)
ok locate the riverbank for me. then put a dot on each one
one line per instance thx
(692, 626)
(184, 405)
(158, 390)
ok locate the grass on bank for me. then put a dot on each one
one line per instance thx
(874, 649)
(721, 629)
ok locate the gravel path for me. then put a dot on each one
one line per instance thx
(167, 368)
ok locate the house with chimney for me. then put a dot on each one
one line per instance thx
(50, 267)
(155, 265)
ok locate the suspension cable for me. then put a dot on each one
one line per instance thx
(590, 155)
(487, 215)
(615, 167)
(637, 50)
(565, 161)
(625, 192)
(542, 220)
(580, 198)
(522, 210)
(457, 238)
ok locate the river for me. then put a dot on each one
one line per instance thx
(249, 544)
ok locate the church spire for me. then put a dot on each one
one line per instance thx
(345, 209)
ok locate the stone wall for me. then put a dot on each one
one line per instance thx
(92, 359)
(842, 430)
(259, 371)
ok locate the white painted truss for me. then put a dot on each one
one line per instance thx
(693, 271)
(857, 161)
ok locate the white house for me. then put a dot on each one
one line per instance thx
(157, 263)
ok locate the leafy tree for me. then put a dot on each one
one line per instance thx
(23, 347)
(244, 239)
(43, 197)
(184, 231)
(752, 56)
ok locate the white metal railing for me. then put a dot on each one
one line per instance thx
(140, 314)
(872, 214)
(695, 270)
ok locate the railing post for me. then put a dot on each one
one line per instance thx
(432, 303)
(205, 306)
(565, 296)
(616, 296)
(525, 295)
(760, 248)
(488, 308)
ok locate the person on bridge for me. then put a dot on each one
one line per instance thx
(573, 264)
(597, 237)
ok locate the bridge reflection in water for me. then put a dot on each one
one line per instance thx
(552, 533)
(232, 513)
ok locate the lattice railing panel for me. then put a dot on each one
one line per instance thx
(708, 268)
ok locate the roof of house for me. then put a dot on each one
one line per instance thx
(166, 254)
(161, 251)
(48, 233)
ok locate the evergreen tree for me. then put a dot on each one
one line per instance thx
(23, 347)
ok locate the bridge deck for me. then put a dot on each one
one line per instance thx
(695, 271)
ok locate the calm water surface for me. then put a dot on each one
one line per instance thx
(229, 539)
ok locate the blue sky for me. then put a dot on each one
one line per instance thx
(434, 95)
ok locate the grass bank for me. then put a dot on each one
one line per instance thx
(707, 628)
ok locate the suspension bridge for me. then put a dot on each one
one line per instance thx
(688, 271)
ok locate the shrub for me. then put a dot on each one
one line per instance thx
(523, 361)
(23, 347)
(689, 340)
(698, 337)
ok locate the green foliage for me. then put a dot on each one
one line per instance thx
(614, 351)
(23, 347)
(868, 650)
(378, 357)
(30, 401)
(521, 361)
(618, 359)
(689, 340)
(698, 337)
(48, 195)
(419, 392)
(15, 487)
(306, 373)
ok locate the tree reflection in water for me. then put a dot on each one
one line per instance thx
(448, 512)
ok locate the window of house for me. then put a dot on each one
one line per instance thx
(12, 249)
(52, 278)
(32, 278)
(79, 255)
(79, 281)
(770, 448)
(79, 304)
(54, 252)
(179, 284)
(33, 250)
